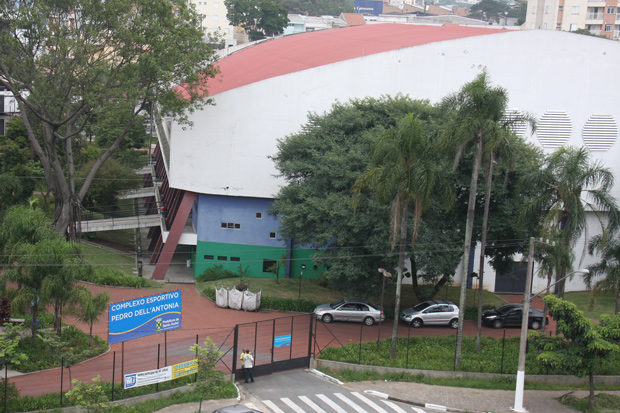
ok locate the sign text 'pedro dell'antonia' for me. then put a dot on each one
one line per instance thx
(144, 316)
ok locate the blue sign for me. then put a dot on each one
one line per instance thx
(282, 341)
(369, 7)
(144, 316)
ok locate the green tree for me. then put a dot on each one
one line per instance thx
(320, 165)
(583, 344)
(259, 18)
(111, 179)
(9, 347)
(90, 397)
(605, 274)
(407, 173)
(489, 10)
(478, 110)
(89, 308)
(79, 60)
(209, 379)
(567, 186)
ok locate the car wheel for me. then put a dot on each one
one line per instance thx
(498, 324)
(417, 323)
(454, 323)
(535, 325)
(369, 321)
(327, 318)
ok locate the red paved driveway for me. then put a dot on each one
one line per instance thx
(202, 318)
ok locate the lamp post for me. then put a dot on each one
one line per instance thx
(385, 275)
(303, 267)
(518, 406)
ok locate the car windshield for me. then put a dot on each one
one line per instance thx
(336, 304)
(505, 308)
(421, 306)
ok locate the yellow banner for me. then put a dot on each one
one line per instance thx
(184, 369)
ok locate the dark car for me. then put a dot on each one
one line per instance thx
(237, 408)
(510, 315)
(433, 312)
(349, 309)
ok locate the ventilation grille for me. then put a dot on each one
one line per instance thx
(554, 129)
(600, 132)
(520, 127)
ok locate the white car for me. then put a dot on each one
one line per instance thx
(349, 309)
(432, 313)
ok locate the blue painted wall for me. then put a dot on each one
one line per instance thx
(211, 210)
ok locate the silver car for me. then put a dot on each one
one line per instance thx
(432, 313)
(349, 309)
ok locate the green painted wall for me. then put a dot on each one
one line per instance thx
(210, 254)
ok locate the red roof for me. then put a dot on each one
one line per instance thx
(298, 52)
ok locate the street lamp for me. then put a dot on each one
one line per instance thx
(303, 267)
(385, 275)
(518, 407)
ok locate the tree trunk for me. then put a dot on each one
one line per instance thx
(483, 245)
(399, 278)
(57, 319)
(35, 316)
(90, 330)
(591, 398)
(469, 229)
(617, 300)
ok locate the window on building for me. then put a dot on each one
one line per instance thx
(573, 27)
(259, 215)
(216, 5)
(609, 27)
(230, 225)
(215, 16)
(221, 258)
(575, 11)
(611, 10)
(268, 265)
(545, 26)
(227, 31)
(208, 257)
(560, 8)
(534, 10)
(546, 9)
(558, 26)
(237, 259)
(272, 235)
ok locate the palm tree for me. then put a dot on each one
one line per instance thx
(89, 308)
(569, 185)
(407, 173)
(478, 112)
(608, 268)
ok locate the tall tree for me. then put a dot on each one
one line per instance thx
(407, 173)
(68, 62)
(583, 344)
(605, 274)
(320, 165)
(259, 18)
(567, 186)
(478, 111)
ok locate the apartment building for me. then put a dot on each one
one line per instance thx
(214, 21)
(598, 16)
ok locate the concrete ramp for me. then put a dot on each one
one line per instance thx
(110, 224)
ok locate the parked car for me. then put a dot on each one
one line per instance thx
(349, 309)
(510, 315)
(432, 313)
(237, 408)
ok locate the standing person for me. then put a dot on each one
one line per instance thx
(248, 364)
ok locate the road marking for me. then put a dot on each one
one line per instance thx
(292, 405)
(369, 402)
(418, 410)
(273, 407)
(394, 406)
(350, 402)
(312, 404)
(331, 404)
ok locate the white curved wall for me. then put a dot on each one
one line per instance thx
(227, 151)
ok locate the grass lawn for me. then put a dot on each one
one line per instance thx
(311, 290)
(103, 257)
(605, 303)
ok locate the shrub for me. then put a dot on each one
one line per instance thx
(113, 277)
(214, 273)
(471, 313)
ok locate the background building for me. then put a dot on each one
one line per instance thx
(265, 92)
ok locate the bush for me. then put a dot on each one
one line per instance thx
(471, 313)
(113, 277)
(216, 273)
